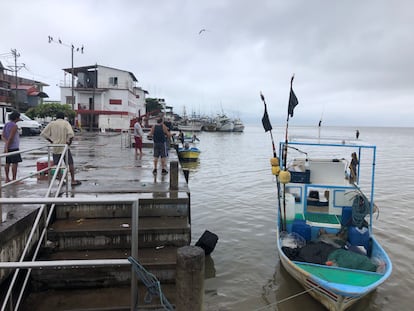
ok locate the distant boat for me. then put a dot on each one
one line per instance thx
(238, 125)
(209, 125)
(224, 123)
(190, 126)
(188, 154)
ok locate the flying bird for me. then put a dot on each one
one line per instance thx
(60, 41)
(202, 30)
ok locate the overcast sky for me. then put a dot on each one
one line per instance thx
(353, 60)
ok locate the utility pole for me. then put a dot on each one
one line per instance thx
(16, 69)
(72, 48)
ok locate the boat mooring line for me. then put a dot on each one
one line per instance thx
(285, 299)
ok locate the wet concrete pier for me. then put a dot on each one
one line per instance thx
(106, 165)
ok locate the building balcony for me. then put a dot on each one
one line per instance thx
(90, 87)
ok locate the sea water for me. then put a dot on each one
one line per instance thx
(234, 195)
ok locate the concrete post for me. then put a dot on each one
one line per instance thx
(174, 175)
(190, 278)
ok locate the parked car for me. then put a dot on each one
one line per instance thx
(28, 126)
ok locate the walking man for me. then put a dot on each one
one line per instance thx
(60, 132)
(160, 135)
(138, 135)
(11, 140)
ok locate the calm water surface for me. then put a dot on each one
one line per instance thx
(234, 195)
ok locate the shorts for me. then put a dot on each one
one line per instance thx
(56, 158)
(14, 158)
(138, 142)
(160, 150)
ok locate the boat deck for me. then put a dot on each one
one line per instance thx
(341, 275)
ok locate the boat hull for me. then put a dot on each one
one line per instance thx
(226, 127)
(190, 155)
(325, 222)
(333, 295)
(238, 128)
(190, 128)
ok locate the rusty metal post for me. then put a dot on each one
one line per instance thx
(190, 278)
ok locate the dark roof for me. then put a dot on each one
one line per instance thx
(76, 70)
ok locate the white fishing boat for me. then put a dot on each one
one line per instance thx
(325, 236)
(224, 123)
(209, 124)
(238, 125)
(190, 126)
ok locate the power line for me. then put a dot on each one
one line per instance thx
(15, 68)
(73, 49)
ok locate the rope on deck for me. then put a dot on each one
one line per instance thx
(151, 283)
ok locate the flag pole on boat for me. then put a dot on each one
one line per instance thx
(284, 175)
(275, 160)
(266, 123)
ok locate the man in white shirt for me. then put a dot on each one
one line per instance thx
(138, 135)
(60, 132)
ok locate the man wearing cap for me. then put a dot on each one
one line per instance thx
(11, 138)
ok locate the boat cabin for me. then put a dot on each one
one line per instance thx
(319, 186)
(320, 194)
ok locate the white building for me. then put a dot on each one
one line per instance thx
(104, 97)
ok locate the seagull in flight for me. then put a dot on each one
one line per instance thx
(201, 31)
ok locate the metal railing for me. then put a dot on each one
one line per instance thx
(51, 177)
(44, 213)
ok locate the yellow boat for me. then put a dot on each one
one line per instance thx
(188, 154)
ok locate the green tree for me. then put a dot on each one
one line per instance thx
(50, 110)
(152, 105)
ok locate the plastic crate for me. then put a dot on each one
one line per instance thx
(358, 237)
(300, 227)
(346, 218)
(300, 177)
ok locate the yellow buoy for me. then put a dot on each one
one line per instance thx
(274, 161)
(275, 170)
(284, 177)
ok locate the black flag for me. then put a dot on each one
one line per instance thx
(293, 101)
(265, 120)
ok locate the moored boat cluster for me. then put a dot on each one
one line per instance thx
(220, 123)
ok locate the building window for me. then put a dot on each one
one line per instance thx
(113, 81)
(115, 101)
(69, 100)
